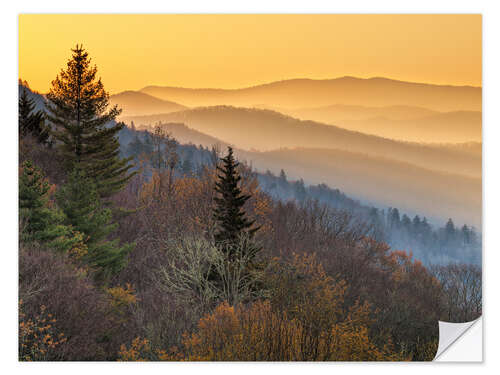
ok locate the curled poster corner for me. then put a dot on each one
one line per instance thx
(460, 342)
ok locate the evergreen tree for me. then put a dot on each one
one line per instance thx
(465, 234)
(215, 154)
(426, 227)
(394, 219)
(135, 147)
(187, 166)
(300, 190)
(31, 122)
(228, 213)
(159, 157)
(234, 235)
(416, 224)
(450, 227)
(39, 222)
(79, 200)
(282, 179)
(406, 223)
(474, 238)
(84, 127)
(373, 215)
(148, 143)
(450, 230)
(33, 210)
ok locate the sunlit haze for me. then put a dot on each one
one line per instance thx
(232, 51)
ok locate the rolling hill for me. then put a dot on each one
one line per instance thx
(358, 112)
(186, 135)
(473, 148)
(406, 123)
(458, 126)
(300, 93)
(137, 103)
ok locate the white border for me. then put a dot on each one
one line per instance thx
(491, 182)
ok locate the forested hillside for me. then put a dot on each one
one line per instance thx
(429, 242)
(412, 176)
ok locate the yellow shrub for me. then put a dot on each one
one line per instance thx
(37, 337)
(238, 334)
(141, 350)
(121, 297)
(79, 248)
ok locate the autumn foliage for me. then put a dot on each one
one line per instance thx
(309, 323)
(323, 292)
(38, 337)
(257, 333)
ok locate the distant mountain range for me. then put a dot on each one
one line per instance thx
(388, 108)
(301, 93)
(441, 180)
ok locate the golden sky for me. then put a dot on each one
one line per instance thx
(231, 51)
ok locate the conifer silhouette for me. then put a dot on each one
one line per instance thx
(84, 126)
(31, 122)
(228, 213)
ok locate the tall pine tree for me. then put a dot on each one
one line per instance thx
(84, 126)
(228, 213)
(79, 200)
(234, 235)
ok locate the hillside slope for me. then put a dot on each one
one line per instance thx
(380, 181)
(266, 130)
(138, 103)
(400, 122)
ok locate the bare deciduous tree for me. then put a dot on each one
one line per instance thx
(461, 291)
